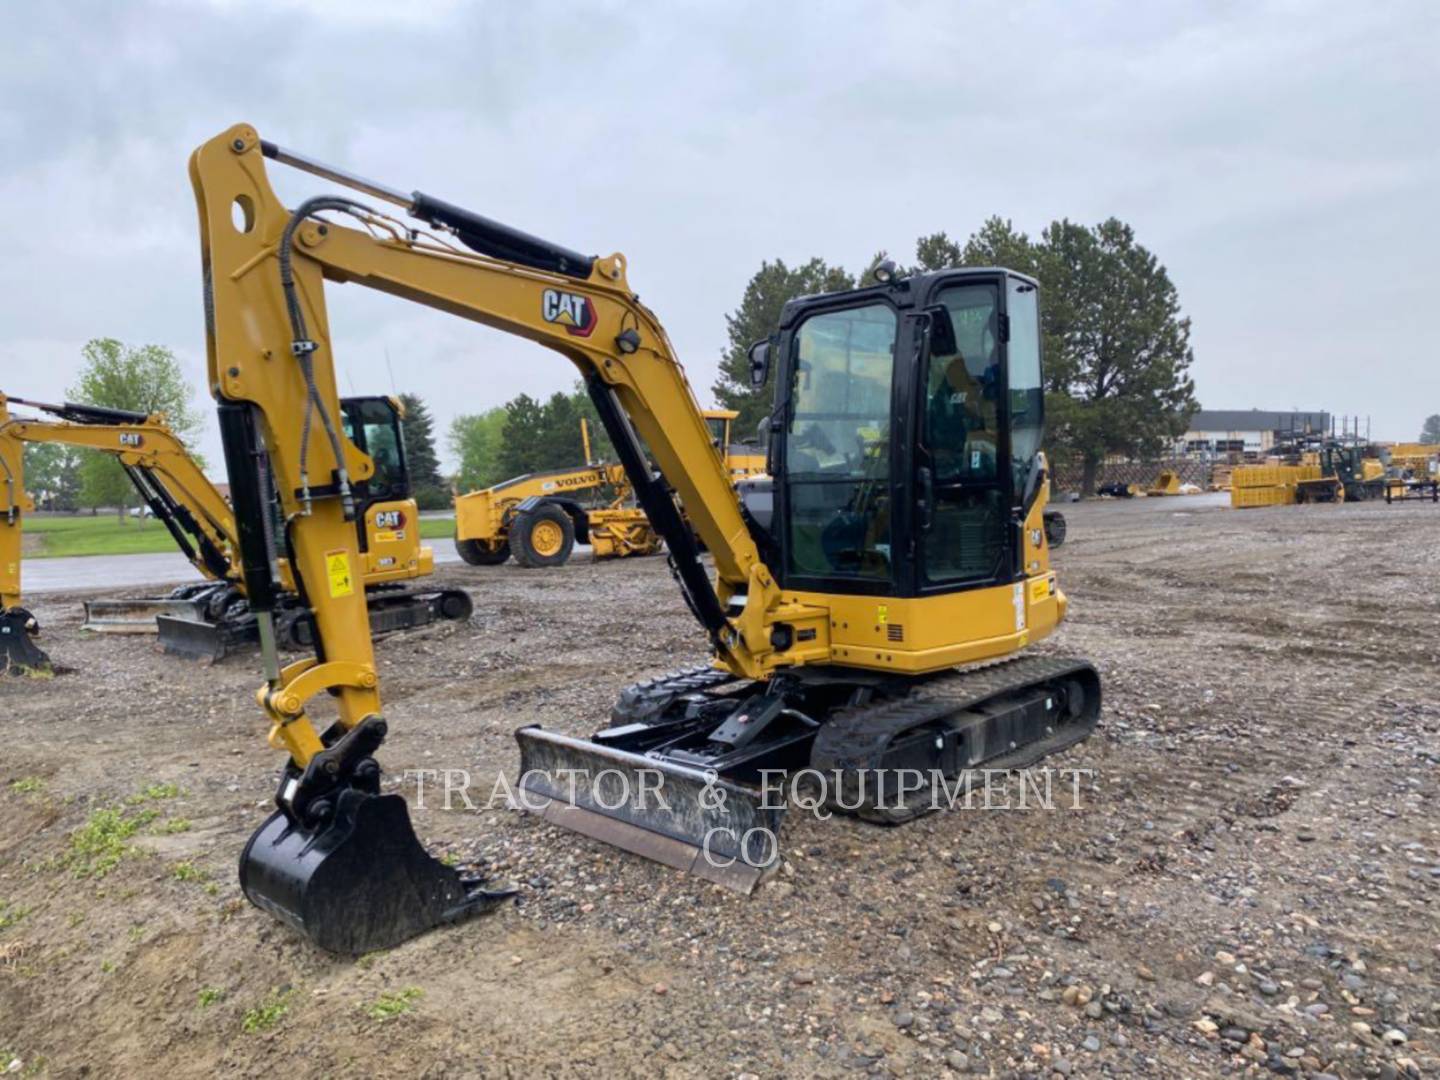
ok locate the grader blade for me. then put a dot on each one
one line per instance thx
(360, 880)
(718, 830)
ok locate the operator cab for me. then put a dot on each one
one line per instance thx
(863, 505)
(373, 425)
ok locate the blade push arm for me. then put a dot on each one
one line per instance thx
(269, 350)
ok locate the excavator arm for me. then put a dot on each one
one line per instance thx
(162, 469)
(156, 461)
(271, 366)
(18, 628)
(338, 860)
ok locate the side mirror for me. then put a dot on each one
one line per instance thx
(759, 363)
(942, 331)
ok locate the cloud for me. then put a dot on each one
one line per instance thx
(1277, 157)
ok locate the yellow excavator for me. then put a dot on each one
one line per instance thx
(538, 518)
(210, 619)
(872, 597)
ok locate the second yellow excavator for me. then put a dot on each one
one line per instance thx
(210, 619)
(872, 597)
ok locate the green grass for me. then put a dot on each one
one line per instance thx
(27, 785)
(267, 1014)
(389, 1006)
(210, 995)
(104, 534)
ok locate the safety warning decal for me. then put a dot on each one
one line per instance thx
(337, 568)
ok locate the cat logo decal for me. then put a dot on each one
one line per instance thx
(573, 312)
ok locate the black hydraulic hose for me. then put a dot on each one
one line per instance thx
(304, 348)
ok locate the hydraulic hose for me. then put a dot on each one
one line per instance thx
(303, 348)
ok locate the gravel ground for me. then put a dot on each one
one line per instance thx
(1249, 885)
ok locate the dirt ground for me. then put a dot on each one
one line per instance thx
(1250, 884)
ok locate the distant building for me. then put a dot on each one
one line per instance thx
(1241, 431)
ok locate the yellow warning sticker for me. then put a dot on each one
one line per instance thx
(337, 568)
(387, 537)
(882, 614)
(1039, 589)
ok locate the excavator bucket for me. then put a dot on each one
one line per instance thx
(19, 655)
(360, 881)
(716, 829)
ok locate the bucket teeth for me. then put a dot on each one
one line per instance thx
(715, 829)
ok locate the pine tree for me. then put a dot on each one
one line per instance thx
(418, 428)
(520, 440)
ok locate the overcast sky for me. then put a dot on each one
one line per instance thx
(1280, 159)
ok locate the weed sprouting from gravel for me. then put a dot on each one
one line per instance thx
(97, 847)
(154, 793)
(27, 785)
(10, 915)
(390, 1006)
(268, 1013)
(210, 995)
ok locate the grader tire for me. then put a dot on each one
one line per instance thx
(542, 537)
(477, 554)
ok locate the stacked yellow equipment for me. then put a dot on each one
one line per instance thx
(1268, 485)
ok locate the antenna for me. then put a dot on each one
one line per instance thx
(391, 371)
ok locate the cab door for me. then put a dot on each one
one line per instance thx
(836, 486)
(963, 489)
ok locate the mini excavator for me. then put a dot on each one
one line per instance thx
(210, 619)
(872, 597)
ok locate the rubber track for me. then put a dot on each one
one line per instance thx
(856, 738)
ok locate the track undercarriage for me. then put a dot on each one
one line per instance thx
(695, 768)
(213, 621)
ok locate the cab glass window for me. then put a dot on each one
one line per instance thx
(837, 450)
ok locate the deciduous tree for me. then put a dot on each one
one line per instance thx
(145, 379)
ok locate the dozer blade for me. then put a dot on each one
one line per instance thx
(359, 882)
(200, 639)
(686, 818)
(136, 616)
(19, 655)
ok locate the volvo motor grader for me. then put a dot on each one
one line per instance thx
(211, 618)
(871, 598)
(537, 518)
